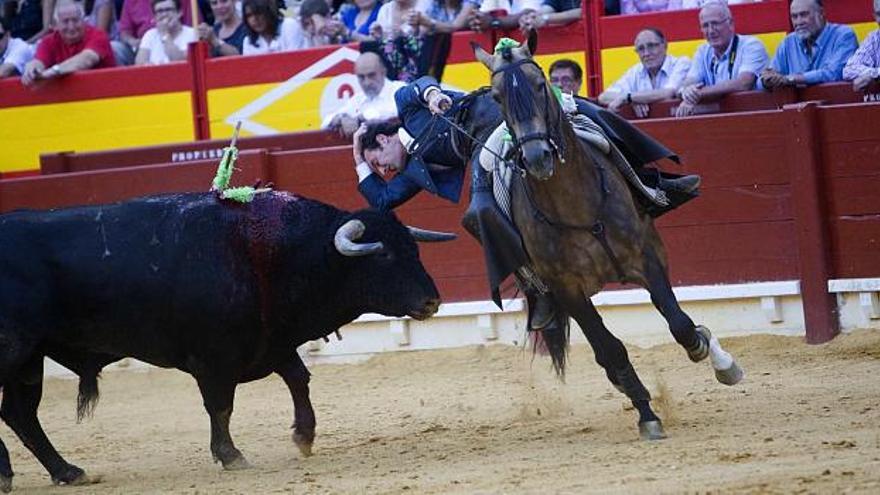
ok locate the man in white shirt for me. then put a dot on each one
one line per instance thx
(656, 78)
(375, 101)
(14, 52)
(167, 42)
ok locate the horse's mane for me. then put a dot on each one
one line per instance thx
(479, 116)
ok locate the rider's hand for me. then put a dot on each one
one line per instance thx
(439, 102)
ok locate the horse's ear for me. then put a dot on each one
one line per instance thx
(532, 41)
(482, 55)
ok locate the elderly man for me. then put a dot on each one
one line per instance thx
(656, 78)
(863, 68)
(726, 63)
(375, 102)
(814, 53)
(71, 47)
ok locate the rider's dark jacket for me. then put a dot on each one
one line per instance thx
(432, 163)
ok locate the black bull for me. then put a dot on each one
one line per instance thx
(220, 290)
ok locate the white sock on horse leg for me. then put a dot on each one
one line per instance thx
(721, 359)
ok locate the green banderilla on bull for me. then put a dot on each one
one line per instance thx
(220, 185)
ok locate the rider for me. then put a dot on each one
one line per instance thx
(420, 149)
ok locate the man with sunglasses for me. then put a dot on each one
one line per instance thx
(14, 52)
(726, 63)
(655, 78)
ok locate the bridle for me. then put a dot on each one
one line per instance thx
(554, 140)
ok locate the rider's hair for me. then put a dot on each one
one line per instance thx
(565, 63)
(368, 138)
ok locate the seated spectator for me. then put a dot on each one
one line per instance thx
(72, 46)
(102, 15)
(447, 16)
(863, 68)
(29, 20)
(227, 34)
(698, 4)
(269, 32)
(726, 63)
(168, 41)
(641, 6)
(134, 21)
(552, 12)
(14, 52)
(566, 75)
(375, 101)
(814, 53)
(656, 78)
(502, 14)
(360, 18)
(401, 38)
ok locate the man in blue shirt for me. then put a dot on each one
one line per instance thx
(814, 53)
(726, 63)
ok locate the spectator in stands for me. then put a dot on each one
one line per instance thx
(566, 75)
(552, 12)
(863, 68)
(30, 20)
(642, 6)
(447, 16)
(814, 53)
(612, 7)
(697, 4)
(502, 14)
(168, 41)
(14, 52)
(134, 21)
(72, 46)
(269, 32)
(227, 34)
(375, 102)
(359, 18)
(656, 78)
(402, 39)
(102, 15)
(726, 63)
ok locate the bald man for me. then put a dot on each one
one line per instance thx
(814, 53)
(373, 103)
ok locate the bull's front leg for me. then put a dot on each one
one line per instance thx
(296, 376)
(218, 393)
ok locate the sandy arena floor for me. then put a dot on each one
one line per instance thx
(491, 420)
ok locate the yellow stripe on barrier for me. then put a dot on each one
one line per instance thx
(92, 125)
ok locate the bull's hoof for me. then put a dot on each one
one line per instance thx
(5, 484)
(304, 443)
(730, 376)
(237, 464)
(651, 430)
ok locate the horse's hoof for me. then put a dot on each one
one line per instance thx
(730, 376)
(303, 443)
(651, 430)
(237, 464)
(701, 350)
(5, 484)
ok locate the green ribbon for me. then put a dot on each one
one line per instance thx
(506, 43)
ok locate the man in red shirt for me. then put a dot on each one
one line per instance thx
(71, 47)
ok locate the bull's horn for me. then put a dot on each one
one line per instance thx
(423, 235)
(346, 235)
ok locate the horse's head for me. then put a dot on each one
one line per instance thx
(532, 113)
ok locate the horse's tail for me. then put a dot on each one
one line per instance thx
(553, 340)
(87, 399)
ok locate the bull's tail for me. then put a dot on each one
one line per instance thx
(553, 340)
(87, 399)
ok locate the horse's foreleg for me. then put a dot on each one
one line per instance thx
(696, 340)
(612, 357)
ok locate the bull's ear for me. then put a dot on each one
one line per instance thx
(482, 55)
(531, 41)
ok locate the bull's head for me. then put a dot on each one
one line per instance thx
(395, 281)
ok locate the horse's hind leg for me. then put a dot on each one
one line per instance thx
(21, 397)
(612, 357)
(696, 340)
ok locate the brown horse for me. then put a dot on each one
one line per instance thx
(582, 228)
